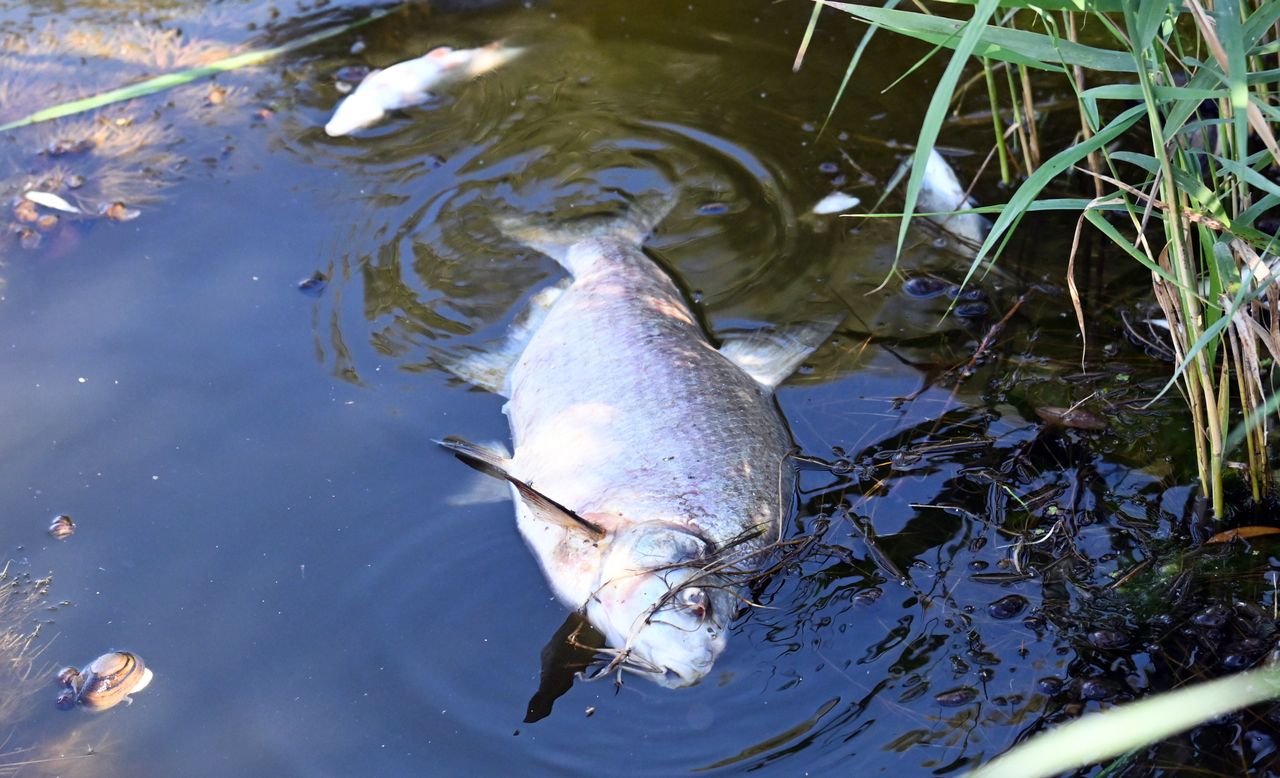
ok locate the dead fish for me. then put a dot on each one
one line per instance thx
(836, 202)
(651, 470)
(50, 200)
(1074, 418)
(941, 192)
(409, 83)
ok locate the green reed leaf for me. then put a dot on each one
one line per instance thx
(1018, 46)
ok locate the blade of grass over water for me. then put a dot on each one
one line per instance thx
(936, 114)
(1113, 732)
(1018, 46)
(808, 36)
(171, 80)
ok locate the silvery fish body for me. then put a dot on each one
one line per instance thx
(669, 456)
(409, 83)
(941, 192)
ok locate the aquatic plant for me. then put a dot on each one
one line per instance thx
(22, 670)
(1174, 132)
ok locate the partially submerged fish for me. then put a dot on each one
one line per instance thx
(941, 192)
(651, 470)
(410, 82)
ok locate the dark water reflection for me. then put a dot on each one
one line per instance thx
(262, 516)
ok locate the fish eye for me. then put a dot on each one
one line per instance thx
(694, 600)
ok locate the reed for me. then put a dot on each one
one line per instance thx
(1176, 105)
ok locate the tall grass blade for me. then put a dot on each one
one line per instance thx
(171, 80)
(1113, 732)
(808, 36)
(1051, 169)
(937, 111)
(1018, 46)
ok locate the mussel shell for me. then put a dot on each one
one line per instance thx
(111, 678)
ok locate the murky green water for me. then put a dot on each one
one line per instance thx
(262, 515)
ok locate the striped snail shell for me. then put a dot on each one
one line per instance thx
(105, 682)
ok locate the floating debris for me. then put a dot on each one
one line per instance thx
(217, 95)
(954, 698)
(924, 287)
(836, 202)
(351, 74)
(119, 212)
(1108, 639)
(27, 238)
(25, 211)
(62, 527)
(314, 285)
(1074, 418)
(51, 200)
(47, 222)
(972, 311)
(713, 209)
(1252, 531)
(64, 146)
(105, 682)
(1007, 607)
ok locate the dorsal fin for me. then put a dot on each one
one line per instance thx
(769, 356)
(494, 464)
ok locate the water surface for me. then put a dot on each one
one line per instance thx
(263, 517)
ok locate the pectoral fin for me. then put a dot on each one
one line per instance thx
(492, 463)
(769, 356)
(487, 368)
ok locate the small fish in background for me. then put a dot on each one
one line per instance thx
(941, 191)
(410, 83)
(836, 202)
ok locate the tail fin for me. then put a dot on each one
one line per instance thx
(554, 239)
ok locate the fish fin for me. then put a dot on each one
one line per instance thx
(492, 463)
(769, 356)
(554, 238)
(487, 368)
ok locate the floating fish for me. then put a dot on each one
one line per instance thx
(836, 202)
(409, 83)
(941, 192)
(651, 471)
(50, 200)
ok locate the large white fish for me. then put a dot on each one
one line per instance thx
(651, 471)
(409, 83)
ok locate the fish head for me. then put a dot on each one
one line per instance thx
(658, 605)
(357, 111)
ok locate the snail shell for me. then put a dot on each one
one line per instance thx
(62, 527)
(105, 682)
